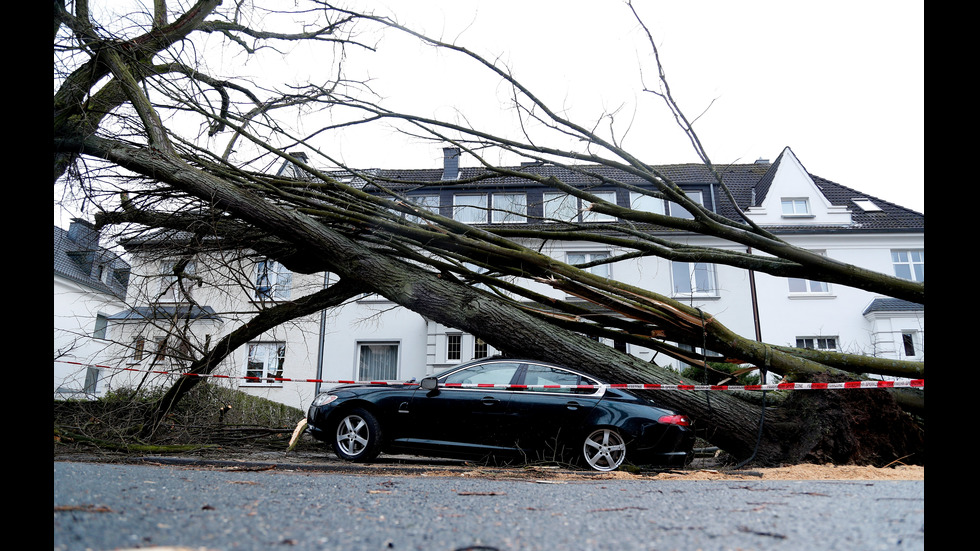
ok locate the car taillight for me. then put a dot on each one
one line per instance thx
(681, 420)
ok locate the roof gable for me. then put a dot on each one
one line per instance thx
(788, 181)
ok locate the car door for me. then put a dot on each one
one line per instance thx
(549, 418)
(466, 417)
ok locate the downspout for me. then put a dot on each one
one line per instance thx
(323, 330)
(755, 305)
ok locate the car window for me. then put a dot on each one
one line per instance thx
(498, 373)
(544, 375)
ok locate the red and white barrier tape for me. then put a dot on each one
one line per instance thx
(908, 383)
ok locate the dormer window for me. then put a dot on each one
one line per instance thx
(568, 208)
(796, 206)
(647, 203)
(425, 202)
(509, 208)
(678, 211)
(470, 209)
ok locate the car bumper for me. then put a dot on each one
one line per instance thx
(664, 445)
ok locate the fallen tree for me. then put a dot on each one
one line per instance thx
(324, 224)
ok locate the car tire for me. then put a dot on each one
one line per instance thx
(357, 436)
(604, 449)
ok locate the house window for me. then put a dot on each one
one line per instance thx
(560, 207)
(908, 343)
(272, 280)
(175, 350)
(425, 202)
(693, 279)
(265, 362)
(470, 208)
(601, 270)
(509, 208)
(172, 288)
(377, 361)
(454, 346)
(910, 264)
(568, 208)
(161, 350)
(647, 203)
(678, 211)
(91, 379)
(817, 343)
(805, 286)
(139, 348)
(101, 323)
(480, 349)
(590, 216)
(798, 206)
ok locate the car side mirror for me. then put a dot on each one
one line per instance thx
(430, 383)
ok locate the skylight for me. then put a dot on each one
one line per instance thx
(867, 205)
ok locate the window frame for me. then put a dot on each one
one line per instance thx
(508, 214)
(589, 216)
(812, 287)
(591, 256)
(695, 195)
(423, 201)
(638, 200)
(564, 211)
(169, 287)
(793, 203)
(454, 347)
(816, 341)
(692, 269)
(265, 379)
(101, 331)
(359, 371)
(480, 348)
(916, 268)
(481, 209)
(280, 281)
(911, 343)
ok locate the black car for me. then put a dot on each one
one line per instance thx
(527, 409)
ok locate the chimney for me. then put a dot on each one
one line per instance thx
(450, 163)
(83, 233)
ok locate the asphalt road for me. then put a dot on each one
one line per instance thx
(115, 506)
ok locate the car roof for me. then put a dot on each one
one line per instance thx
(493, 359)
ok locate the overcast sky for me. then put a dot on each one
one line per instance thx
(840, 83)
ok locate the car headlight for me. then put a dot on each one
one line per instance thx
(323, 400)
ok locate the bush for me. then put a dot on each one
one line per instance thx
(203, 416)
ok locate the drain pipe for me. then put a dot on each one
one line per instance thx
(323, 330)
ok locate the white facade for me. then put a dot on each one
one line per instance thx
(81, 340)
(370, 338)
(88, 288)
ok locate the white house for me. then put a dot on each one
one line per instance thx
(89, 285)
(372, 339)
